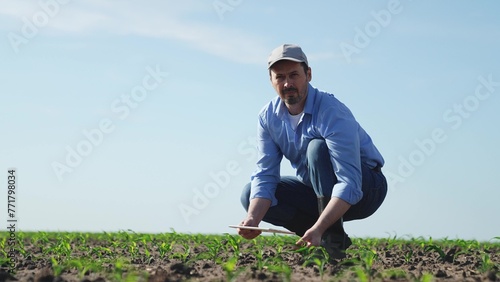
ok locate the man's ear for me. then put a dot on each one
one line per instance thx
(309, 74)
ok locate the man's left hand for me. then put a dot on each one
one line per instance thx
(312, 237)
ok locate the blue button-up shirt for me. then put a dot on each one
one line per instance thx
(326, 118)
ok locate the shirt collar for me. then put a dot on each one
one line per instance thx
(311, 97)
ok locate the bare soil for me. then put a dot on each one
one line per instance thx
(409, 262)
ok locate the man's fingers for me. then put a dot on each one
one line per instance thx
(249, 234)
(301, 242)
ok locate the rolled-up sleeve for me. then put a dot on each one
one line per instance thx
(340, 130)
(266, 177)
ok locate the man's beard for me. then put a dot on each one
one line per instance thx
(293, 99)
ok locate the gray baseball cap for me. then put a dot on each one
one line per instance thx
(290, 52)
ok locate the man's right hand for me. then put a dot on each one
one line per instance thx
(246, 233)
(256, 211)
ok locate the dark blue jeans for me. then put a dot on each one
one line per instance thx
(297, 208)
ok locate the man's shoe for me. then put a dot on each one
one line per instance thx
(336, 245)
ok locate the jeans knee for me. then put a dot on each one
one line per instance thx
(245, 196)
(316, 149)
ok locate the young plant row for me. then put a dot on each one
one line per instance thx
(122, 255)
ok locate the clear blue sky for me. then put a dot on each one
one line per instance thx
(121, 115)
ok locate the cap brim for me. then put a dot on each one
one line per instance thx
(284, 58)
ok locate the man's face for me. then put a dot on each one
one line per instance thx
(290, 82)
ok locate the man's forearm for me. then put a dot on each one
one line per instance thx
(257, 209)
(335, 209)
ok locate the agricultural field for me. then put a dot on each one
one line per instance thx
(129, 256)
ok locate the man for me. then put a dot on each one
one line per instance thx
(338, 168)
